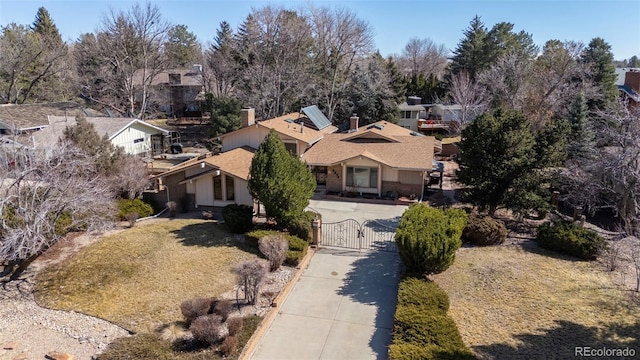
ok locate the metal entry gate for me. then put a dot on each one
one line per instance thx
(371, 235)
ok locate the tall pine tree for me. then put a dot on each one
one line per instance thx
(599, 57)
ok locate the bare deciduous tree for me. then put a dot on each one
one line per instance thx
(250, 275)
(469, 95)
(340, 39)
(130, 176)
(423, 56)
(42, 198)
(131, 43)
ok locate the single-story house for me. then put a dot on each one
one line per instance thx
(298, 131)
(209, 180)
(135, 136)
(379, 158)
(27, 118)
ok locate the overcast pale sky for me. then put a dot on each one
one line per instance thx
(393, 22)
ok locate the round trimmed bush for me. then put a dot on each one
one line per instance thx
(238, 218)
(484, 230)
(570, 239)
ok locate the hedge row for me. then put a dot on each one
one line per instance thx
(297, 247)
(422, 329)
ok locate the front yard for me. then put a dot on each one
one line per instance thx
(138, 278)
(521, 302)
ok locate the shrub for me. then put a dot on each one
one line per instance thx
(250, 275)
(300, 227)
(297, 247)
(140, 346)
(428, 238)
(207, 329)
(297, 250)
(128, 206)
(172, 206)
(132, 218)
(484, 230)
(407, 351)
(194, 308)
(238, 218)
(422, 294)
(223, 308)
(229, 346)
(63, 224)
(570, 239)
(234, 325)
(422, 329)
(275, 248)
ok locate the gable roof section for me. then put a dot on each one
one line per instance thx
(236, 162)
(35, 116)
(409, 152)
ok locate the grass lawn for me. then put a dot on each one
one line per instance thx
(137, 278)
(511, 302)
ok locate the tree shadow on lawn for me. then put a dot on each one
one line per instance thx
(211, 235)
(567, 341)
(374, 280)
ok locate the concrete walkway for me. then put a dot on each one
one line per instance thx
(341, 308)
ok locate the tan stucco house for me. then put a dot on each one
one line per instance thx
(298, 131)
(378, 159)
(209, 180)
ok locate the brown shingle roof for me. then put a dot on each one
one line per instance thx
(236, 162)
(294, 129)
(405, 151)
(29, 116)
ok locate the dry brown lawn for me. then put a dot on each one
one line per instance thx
(137, 278)
(515, 302)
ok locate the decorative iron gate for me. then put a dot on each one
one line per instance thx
(371, 234)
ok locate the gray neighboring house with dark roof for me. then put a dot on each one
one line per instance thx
(26, 118)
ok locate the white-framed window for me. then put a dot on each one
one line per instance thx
(363, 177)
(291, 147)
(136, 141)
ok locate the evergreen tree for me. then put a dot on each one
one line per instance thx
(599, 57)
(182, 47)
(282, 182)
(581, 138)
(225, 114)
(501, 161)
(429, 89)
(469, 55)
(428, 238)
(83, 134)
(634, 62)
(44, 26)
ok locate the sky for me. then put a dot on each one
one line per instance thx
(394, 23)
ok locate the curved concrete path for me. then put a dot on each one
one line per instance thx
(341, 308)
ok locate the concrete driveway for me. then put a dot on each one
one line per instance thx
(343, 305)
(341, 308)
(334, 211)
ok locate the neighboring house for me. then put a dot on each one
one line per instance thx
(136, 137)
(427, 117)
(629, 85)
(177, 92)
(28, 118)
(298, 131)
(380, 158)
(209, 180)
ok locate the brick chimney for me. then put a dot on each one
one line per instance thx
(353, 122)
(248, 117)
(632, 80)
